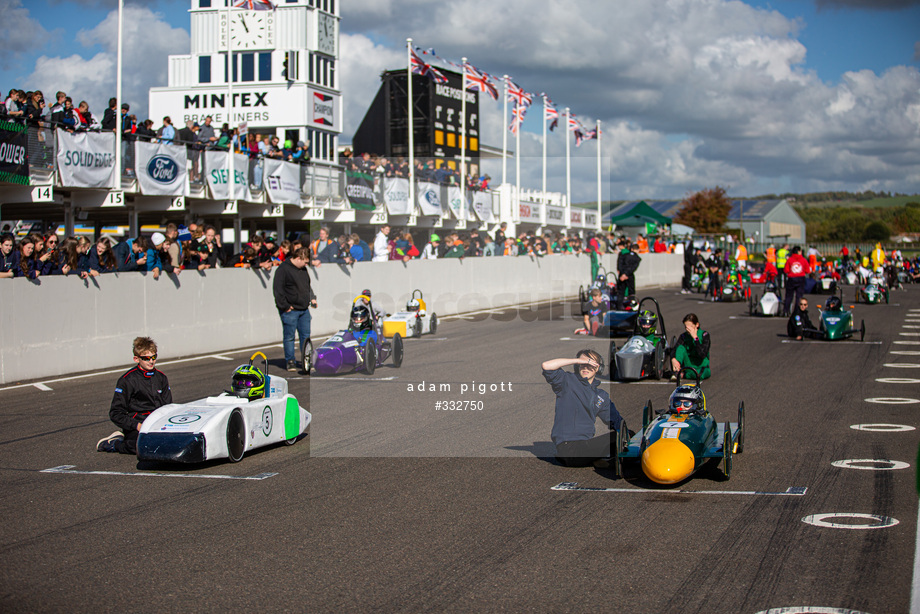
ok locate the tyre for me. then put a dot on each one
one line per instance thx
(727, 451)
(658, 366)
(307, 357)
(648, 414)
(612, 362)
(751, 305)
(370, 358)
(433, 325)
(397, 350)
(236, 436)
(739, 444)
(862, 330)
(417, 328)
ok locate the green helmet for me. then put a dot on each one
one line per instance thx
(648, 322)
(248, 383)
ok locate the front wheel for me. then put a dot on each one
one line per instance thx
(397, 350)
(862, 330)
(370, 357)
(658, 367)
(236, 436)
(417, 328)
(727, 451)
(739, 445)
(433, 325)
(307, 356)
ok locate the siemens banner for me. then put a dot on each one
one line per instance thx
(257, 105)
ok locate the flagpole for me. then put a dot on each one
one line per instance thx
(231, 177)
(517, 156)
(411, 123)
(568, 162)
(463, 136)
(505, 133)
(598, 128)
(119, 120)
(544, 147)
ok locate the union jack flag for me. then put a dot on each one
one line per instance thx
(574, 124)
(581, 137)
(254, 5)
(517, 118)
(419, 67)
(550, 114)
(479, 81)
(518, 96)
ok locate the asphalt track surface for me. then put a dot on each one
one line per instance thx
(392, 505)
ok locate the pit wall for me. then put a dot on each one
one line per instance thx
(61, 325)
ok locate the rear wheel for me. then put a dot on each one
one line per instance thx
(727, 451)
(751, 305)
(236, 436)
(307, 357)
(658, 367)
(397, 350)
(739, 444)
(433, 325)
(417, 328)
(862, 330)
(370, 357)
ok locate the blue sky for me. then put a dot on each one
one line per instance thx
(651, 114)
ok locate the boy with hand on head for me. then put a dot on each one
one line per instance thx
(137, 394)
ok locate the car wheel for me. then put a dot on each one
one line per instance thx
(648, 414)
(236, 436)
(621, 439)
(739, 444)
(727, 451)
(862, 330)
(433, 325)
(613, 361)
(658, 366)
(307, 357)
(751, 305)
(370, 358)
(417, 328)
(397, 350)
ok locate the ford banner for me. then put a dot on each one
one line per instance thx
(162, 168)
(429, 198)
(86, 159)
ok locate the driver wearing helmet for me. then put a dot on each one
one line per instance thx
(647, 325)
(361, 324)
(248, 383)
(833, 304)
(687, 399)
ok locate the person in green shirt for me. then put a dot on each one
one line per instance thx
(692, 349)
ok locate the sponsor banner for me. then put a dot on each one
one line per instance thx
(455, 201)
(217, 175)
(14, 153)
(590, 219)
(530, 212)
(482, 205)
(161, 168)
(429, 198)
(282, 182)
(359, 190)
(86, 159)
(555, 215)
(575, 217)
(396, 195)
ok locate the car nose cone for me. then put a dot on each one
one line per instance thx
(667, 461)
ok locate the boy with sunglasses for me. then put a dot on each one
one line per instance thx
(579, 403)
(137, 393)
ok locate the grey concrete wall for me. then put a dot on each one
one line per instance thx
(61, 325)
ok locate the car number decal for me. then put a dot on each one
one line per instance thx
(350, 344)
(184, 419)
(267, 420)
(670, 433)
(673, 425)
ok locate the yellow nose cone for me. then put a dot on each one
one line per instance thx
(667, 461)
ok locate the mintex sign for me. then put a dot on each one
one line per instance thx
(259, 106)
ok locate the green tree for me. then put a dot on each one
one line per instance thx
(877, 231)
(705, 211)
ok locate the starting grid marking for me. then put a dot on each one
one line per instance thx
(69, 469)
(792, 491)
(842, 342)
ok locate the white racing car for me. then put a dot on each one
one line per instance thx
(415, 321)
(257, 412)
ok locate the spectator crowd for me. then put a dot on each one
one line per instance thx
(425, 170)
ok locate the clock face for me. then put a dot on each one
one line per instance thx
(326, 36)
(252, 30)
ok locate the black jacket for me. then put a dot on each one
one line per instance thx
(137, 394)
(628, 262)
(291, 287)
(109, 120)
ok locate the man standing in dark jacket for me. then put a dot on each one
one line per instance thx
(293, 298)
(627, 263)
(137, 393)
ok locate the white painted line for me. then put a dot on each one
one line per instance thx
(809, 610)
(879, 464)
(792, 491)
(69, 469)
(42, 387)
(907, 326)
(883, 428)
(892, 400)
(647, 382)
(904, 353)
(219, 357)
(463, 316)
(840, 342)
(317, 379)
(126, 367)
(915, 585)
(423, 338)
(880, 522)
(909, 334)
(906, 342)
(901, 365)
(897, 380)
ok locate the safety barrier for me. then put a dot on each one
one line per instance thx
(61, 325)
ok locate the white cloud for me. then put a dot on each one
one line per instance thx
(694, 92)
(148, 41)
(18, 31)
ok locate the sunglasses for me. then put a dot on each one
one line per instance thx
(803, 304)
(151, 357)
(684, 404)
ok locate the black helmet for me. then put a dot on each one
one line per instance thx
(360, 318)
(771, 286)
(687, 399)
(248, 383)
(648, 322)
(833, 304)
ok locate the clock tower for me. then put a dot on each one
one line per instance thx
(283, 67)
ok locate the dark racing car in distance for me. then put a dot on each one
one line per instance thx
(835, 322)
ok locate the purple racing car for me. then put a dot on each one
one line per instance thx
(360, 347)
